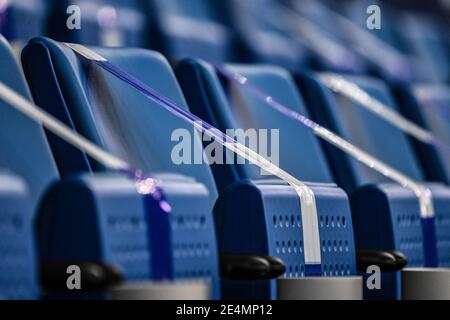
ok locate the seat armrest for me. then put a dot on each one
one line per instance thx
(387, 261)
(250, 267)
(94, 276)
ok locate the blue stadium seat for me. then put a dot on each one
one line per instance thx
(376, 136)
(21, 20)
(185, 29)
(112, 23)
(89, 100)
(427, 105)
(300, 155)
(82, 218)
(26, 153)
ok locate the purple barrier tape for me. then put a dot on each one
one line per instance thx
(156, 209)
(311, 234)
(424, 194)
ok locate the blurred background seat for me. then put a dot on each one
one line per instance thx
(113, 23)
(191, 29)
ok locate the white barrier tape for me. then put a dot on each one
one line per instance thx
(311, 235)
(32, 111)
(424, 194)
(352, 91)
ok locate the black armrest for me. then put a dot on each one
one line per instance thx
(388, 261)
(250, 267)
(94, 276)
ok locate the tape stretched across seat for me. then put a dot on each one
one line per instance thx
(116, 117)
(190, 29)
(366, 130)
(241, 106)
(300, 156)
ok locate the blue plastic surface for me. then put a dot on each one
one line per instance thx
(18, 268)
(185, 29)
(427, 105)
(268, 220)
(362, 128)
(76, 93)
(21, 20)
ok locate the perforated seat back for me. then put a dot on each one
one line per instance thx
(386, 142)
(191, 29)
(364, 129)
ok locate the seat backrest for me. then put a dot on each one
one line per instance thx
(110, 112)
(299, 151)
(362, 128)
(428, 106)
(23, 147)
(21, 20)
(191, 29)
(112, 23)
(25, 153)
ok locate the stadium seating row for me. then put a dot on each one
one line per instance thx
(59, 204)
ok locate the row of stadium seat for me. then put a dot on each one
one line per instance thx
(322, 34)
(84, 212)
